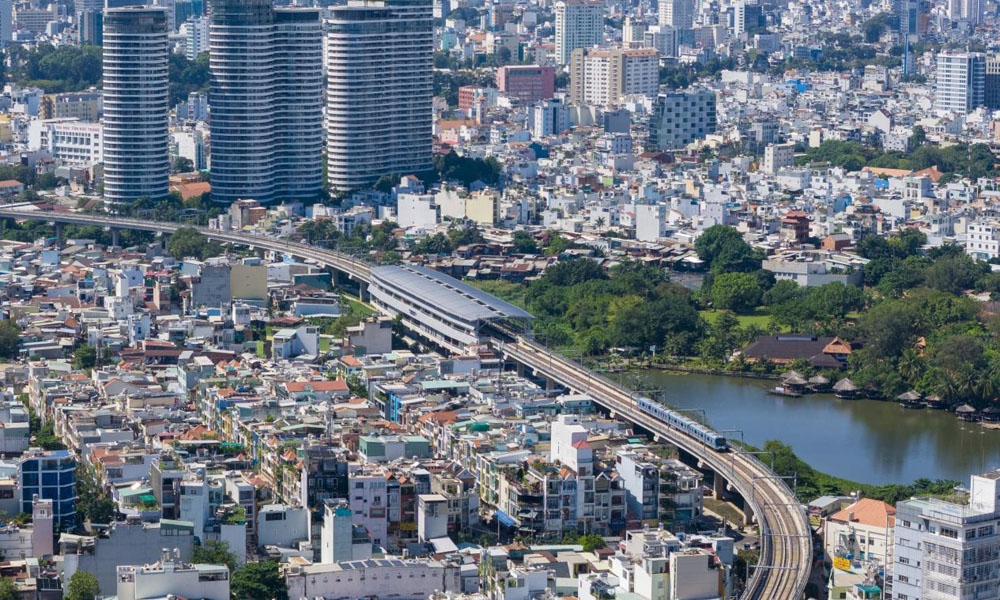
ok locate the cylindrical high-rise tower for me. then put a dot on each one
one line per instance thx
(136, 161)
(380, 83)
(241, 39)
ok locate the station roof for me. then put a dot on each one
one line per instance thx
(447, 293)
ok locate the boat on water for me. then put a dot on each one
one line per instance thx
(781, 390)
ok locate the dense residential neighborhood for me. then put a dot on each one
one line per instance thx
(382, 299)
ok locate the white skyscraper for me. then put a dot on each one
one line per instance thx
(266, 99)
(196, 35)
(579, 24)
(960, 83)
(379, 91)
(136, 163)
(678, 14)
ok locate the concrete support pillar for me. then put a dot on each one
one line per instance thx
(719, 487)
(550, 384)
(59, 234)
(115, 236)
(519, 368)
(747, 515)
(363, 291)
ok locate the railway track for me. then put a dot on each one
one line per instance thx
(786, 548)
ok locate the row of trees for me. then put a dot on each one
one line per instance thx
(973, 161)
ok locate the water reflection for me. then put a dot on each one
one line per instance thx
(868, 441)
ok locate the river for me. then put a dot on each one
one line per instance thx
(863, 440)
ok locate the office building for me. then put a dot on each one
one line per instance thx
(948, 550)
(680, 118)
(991, 91)
(266, 97)
(91, 27)
(967, 11)
(960, 85)
(136, 162)
(527, 83)
(379, 91)
(579, 24)
(913, 18)
(603, 76)
(69, 141)
(34, 20)
(6, 22)
(678, 14)
(49, 475)
(85, 106)
(747, 16)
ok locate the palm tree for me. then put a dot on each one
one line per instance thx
(600, 222)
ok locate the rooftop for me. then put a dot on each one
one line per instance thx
(447, 293)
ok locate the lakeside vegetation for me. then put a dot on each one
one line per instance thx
(913, 323)
(811, 484)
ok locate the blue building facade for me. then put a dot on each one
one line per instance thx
(51, 475)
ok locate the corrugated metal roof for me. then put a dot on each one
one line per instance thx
(447, 293)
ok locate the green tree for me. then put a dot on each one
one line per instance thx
(738, 292)
(10, 339)
(524, 243)
(182, 164)
(85, 357)
(83, 585)
(189, 242)
(257, 581)
(725, 250)
(591, 542)
(8, 591)
(955, 274)
(918, 137)
(214, 553)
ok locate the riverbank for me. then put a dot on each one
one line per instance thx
(869, 442)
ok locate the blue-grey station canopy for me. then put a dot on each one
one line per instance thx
(447, 293)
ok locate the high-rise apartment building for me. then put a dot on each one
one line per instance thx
(678, 14)
(948, 550)
(603, 76)
(680, 118)
(136, 163)
(196, 37)
(266, 97)
(379, 90)
(579, 24)
(960, 85)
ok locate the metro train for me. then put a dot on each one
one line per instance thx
(681, 423)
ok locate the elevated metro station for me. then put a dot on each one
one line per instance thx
(441, 309)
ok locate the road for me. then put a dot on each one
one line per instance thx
(786, 548)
